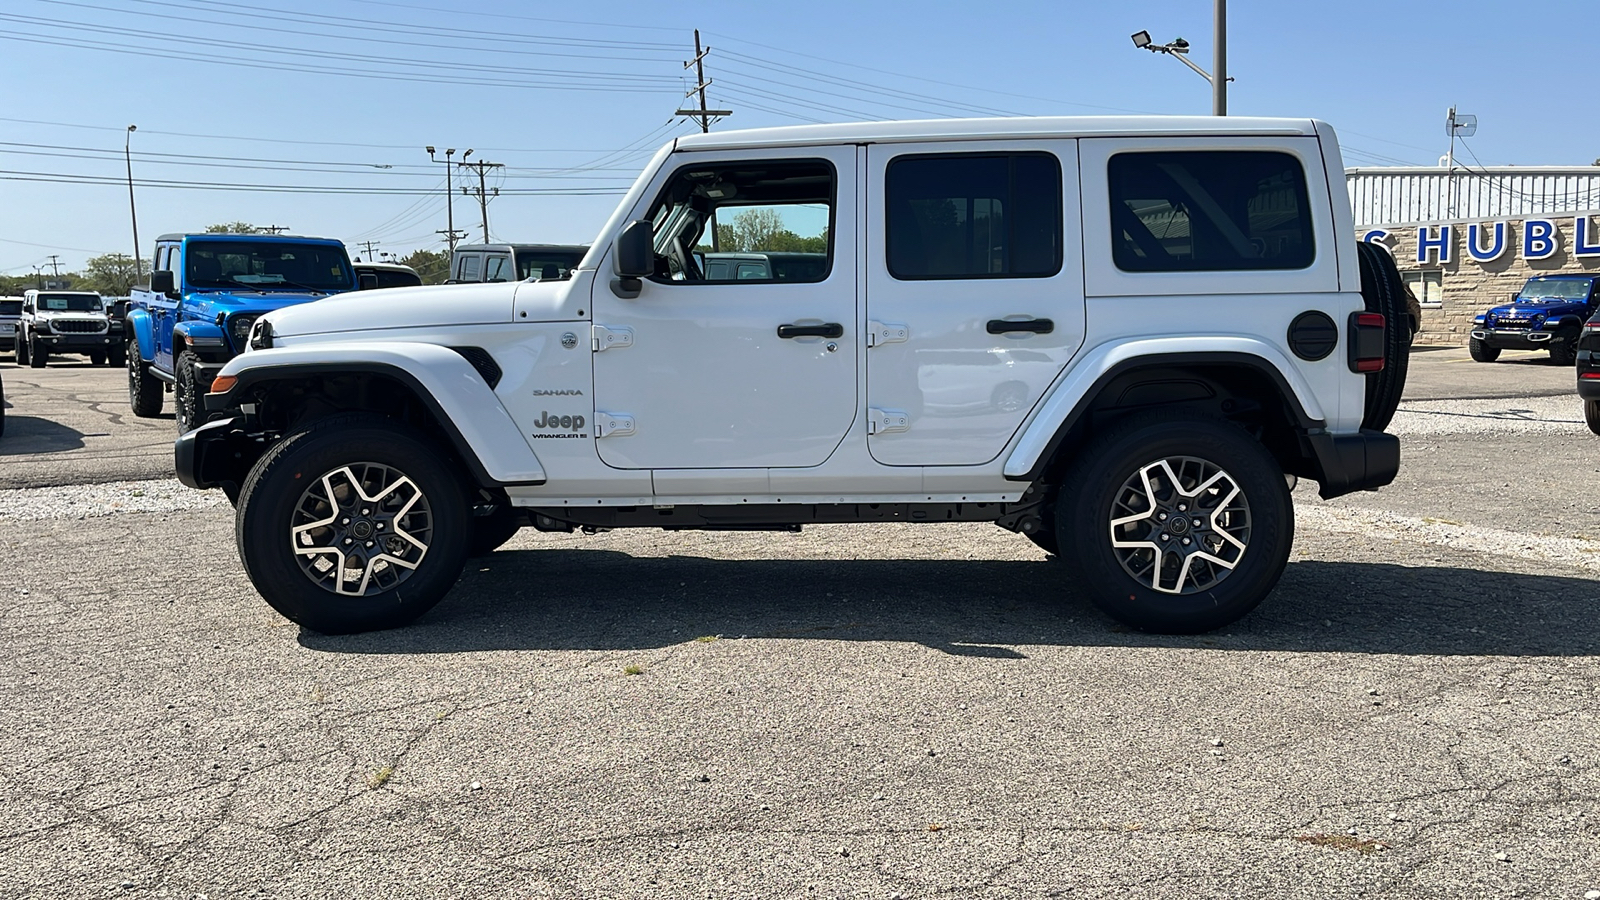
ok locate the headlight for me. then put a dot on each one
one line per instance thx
(261, 335)
(239, 328)
(1538, 321)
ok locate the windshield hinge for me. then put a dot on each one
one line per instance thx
(604, 337)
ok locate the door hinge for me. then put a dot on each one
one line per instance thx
(886, 333)
(887, 421)
(604, 337)
(612, 425)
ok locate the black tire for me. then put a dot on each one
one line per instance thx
(1098, 486)
(97, 358)
(19, 349)
(1384, 291)
(144, 392)
(186, 394)
(1591, 414)
(282, 489)
(491, 531)
(1045, 539)
(37, 358)
(116, 357)
(2, 409)
(1482, 352)
(1564, 351)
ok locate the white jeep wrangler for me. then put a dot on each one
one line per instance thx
(1124, 338)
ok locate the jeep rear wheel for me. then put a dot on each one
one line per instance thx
(354, 523)
(1482, 352)
(1591, 414)
(144, 392)
(1179, 523)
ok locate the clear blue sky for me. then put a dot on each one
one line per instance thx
(225, 88)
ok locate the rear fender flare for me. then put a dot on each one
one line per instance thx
(473, 419)
(1076, 392)
(143, 331)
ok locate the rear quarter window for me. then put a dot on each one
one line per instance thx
(1209, 211)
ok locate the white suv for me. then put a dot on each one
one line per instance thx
(65, 322)
(1121, 337)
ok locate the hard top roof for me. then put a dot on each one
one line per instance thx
(233, 236)
(476, 248)
(997, 129)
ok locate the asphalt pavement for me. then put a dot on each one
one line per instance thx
(854, 711)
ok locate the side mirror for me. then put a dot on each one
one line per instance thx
(162, 282)
(632, 257)
(367, 280)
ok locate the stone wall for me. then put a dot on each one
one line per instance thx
(1471, 287)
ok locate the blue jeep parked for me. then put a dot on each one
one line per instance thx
(205, 292)
(1547, 314)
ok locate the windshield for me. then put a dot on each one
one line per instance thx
(10, 307)
(265, 266)
(1552, 289)
(546, 264)
(68, 303)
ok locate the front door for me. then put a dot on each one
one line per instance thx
(974, 293)
(714, 371)
(163, 308)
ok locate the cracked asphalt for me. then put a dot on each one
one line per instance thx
(914, 711)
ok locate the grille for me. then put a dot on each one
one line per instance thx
(76, 326)
(483, 362)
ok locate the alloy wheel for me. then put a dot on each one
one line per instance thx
(361, 529)
(1180, 525)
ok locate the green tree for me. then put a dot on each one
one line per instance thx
(111, 274)
(432, 265)
(234, 228)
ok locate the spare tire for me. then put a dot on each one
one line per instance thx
(1385, 292)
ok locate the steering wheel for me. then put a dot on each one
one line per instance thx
(681, 264)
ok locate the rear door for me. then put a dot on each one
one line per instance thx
(974, 293)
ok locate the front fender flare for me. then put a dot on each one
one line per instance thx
(206, 338)
(1072, 396)
(472, 417)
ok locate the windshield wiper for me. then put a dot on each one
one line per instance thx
(285, 282)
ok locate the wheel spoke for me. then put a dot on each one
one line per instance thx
(356, 535)
(1180, 524)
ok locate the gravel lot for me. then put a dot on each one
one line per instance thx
(852, 711)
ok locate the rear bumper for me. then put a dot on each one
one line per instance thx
(1355, 462)
(1589, 388)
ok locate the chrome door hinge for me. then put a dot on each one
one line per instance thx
(887, 421)
(886, 333)
(612, 425)
(604, 337)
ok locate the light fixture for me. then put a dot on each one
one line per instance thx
(1141, 39)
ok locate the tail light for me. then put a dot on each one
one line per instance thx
(1366, 341)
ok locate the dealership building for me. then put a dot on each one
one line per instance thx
(1468, 239)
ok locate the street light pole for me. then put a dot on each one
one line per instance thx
(133, 212)
(449, 195)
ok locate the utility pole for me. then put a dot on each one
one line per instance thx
(704, 115)
(450, 233)
(483, 195)
(274, 229)
(38, 277)
(55, 267)
(366, 247)
(133, 213)
(1219, 80)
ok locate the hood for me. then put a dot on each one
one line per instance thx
(1533, 307)
(207, 304)
(401, 307)
(66, 314)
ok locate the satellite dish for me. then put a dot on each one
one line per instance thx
(1461, 126)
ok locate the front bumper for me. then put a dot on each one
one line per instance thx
(80, 343)
(1516, 338)
(1354, 462)
(216, 454)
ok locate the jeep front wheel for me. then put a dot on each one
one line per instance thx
(354, 523)
(1564, 350)
(186, 393)
(37, 355)
(1482, 352)
(1180, 523)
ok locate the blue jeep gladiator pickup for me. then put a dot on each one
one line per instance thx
(205, 292)
(1547, 314)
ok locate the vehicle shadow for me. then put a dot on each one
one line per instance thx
(606, 600)
(31, 434)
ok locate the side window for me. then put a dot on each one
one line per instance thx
(469, 268)
(973, 215)
(1209, 211)
(497, 268)
(745, 207)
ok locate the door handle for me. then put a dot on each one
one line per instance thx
(830, 330)
(1034, 326)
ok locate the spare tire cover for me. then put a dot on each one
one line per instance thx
(1384, 292)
